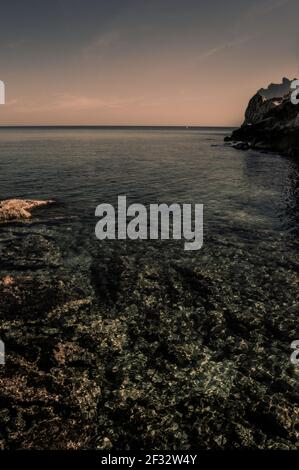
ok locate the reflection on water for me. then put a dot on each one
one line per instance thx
(248, 197)
(83, 168)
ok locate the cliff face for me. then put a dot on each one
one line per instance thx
(270, 123)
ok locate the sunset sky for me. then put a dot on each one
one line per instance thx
(143, 62)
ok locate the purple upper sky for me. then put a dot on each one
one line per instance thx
(176, 62)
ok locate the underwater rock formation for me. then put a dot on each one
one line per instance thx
(148, 349)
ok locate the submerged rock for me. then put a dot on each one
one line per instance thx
(20, 209)
(149, 347)
(241, 145)
(29, 251)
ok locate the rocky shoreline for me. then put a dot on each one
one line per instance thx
(20, 209)
(146, 352)
(271, 122)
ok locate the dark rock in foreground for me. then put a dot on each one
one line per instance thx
(271, 122)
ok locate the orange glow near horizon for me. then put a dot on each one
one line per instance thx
(143, 66)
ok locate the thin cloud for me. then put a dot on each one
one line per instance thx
(66, 102)
(102, 44)
(258, 10)
(224, 46)
(81, 102)
(265, 8)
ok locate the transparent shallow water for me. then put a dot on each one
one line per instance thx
(214, 326)
(250, 199)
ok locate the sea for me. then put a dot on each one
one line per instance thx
(187, 348)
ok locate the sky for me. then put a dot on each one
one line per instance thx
(142, 62)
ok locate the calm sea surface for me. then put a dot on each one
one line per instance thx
(214, 326)
(250, 199)
(84, 167)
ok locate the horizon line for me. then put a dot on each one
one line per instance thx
(96, 126)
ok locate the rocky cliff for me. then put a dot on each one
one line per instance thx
(271, 122)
